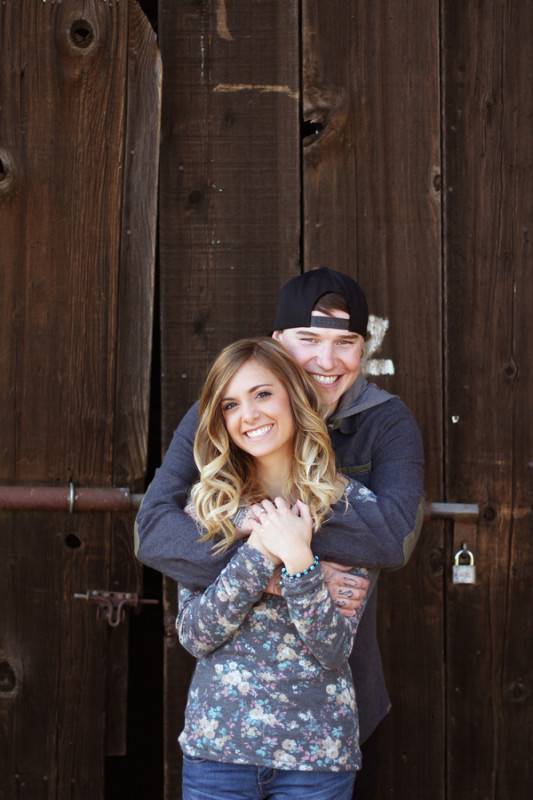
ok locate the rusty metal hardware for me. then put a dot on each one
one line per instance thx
(73, 499)
(110, 606)
(68, 498)
(464, 573)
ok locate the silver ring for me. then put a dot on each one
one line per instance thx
(71, 497)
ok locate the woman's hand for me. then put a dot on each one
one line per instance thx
(284, 531)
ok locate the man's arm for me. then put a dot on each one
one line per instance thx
(381, 526)
(166, 537)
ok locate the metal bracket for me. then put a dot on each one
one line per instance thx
(111, 605)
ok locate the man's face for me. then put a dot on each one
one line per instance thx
(332, 357)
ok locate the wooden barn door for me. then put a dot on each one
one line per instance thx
(389, 140)
(79, 124)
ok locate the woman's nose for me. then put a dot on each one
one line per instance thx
(250, 412)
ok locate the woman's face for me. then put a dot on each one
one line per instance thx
(257, 412)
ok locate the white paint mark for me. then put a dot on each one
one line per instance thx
(377, 328)
(257, 87)
(202, 56)
(222, 21)
(380, 366)
(455, 419)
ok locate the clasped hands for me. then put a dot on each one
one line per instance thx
(283, 533)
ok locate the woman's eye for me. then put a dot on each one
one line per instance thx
(228, 406)
(264, 394)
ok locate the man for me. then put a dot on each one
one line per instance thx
(321, 320)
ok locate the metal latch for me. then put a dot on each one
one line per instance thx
(110, 605)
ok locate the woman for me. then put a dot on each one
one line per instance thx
(271, 709)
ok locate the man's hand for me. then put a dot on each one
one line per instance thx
(348, 591)
(273, 586)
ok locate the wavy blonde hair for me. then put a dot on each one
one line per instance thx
(227, 474)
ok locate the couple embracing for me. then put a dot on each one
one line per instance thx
(284, 491)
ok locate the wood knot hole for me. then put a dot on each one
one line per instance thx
(489, 514)
(8, 679)
(81, 33)
(311, 130)
(510, 370)
(72, 541)
(517, 692)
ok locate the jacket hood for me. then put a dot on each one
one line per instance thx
(360, 397)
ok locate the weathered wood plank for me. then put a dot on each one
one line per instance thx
(63, 84)
(135, 322)
(489, 150)
(229, 232)
(372, 209)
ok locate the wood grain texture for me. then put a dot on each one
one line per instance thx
(372, 209)
(489, 213)
(229, 212)
(63, 74)
(134, 336)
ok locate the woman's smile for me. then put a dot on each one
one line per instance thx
(256, 433)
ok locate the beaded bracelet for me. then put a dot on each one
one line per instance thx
(310, 568)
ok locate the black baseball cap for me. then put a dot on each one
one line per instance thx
(300, 295)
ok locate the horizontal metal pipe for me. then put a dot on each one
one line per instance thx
(460, 512)
(78, 498)
(61, 498)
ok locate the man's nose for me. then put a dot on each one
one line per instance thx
(325, 358)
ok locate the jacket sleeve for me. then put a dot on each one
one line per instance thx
(208, 619)
(166, 537)
(382, 523)
(320, 625)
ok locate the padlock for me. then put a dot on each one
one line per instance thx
(464, 573)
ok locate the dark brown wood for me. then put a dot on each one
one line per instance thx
(489, 212)
(229, 200)
(64, 391)
(135, 322)
(372, 209)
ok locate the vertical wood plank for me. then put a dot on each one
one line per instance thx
(62, 132)
(372, 209)
(489, 213)
(229, 210)
(135, 322)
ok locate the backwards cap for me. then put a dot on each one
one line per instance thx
(300, 295)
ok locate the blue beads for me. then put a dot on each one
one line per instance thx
(310, 568)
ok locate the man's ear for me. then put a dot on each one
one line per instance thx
(277, 335)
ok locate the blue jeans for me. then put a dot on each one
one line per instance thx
(214, 780)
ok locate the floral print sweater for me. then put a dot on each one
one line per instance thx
(272, 685)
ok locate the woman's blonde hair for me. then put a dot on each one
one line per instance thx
(227, 473)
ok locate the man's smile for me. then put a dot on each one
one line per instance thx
(326, 380)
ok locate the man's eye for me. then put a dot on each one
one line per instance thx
(309, 340)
